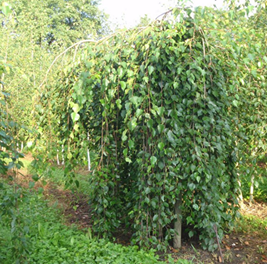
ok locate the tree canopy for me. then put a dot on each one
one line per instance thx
(31, 33)
(57, 23)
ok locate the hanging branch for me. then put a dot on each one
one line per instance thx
(77, 44)
(164, 14)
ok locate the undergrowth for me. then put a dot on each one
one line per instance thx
(252, 224)
(56, 174)
(48, 240)
(260, 188)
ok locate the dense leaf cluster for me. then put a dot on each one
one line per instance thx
(155, 105)
(239, 31)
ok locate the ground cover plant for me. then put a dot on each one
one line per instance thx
(48, 240)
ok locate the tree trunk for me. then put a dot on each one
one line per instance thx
(88, 155)
(62, 150)
(240, 198)
(58, 162)
(251, 189)
(177, 239)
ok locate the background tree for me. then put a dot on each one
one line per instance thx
(32, 34)
(60, 23)
(237, 27)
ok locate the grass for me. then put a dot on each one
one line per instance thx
(56, 175)
(252, 224)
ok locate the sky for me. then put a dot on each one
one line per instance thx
(127, 13)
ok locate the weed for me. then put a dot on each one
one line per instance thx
(261, 250)
(228, 256)
(196, 252)
(252, 224)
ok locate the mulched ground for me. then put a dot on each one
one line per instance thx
(237, 248)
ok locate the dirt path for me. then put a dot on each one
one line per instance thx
(73, 205)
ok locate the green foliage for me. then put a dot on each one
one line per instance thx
(51, 24)
(156, 104)
(57, 175)
(144, 21)
(252, 224)
(260, 183)
(244, 23)
(49, 241)
(6, 8)
(7, 128)
(31, 33)
(167, 110)
(7, 142)
(16, 237)
(9, 159)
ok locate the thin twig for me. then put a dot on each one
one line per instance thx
(77, 44)
(218, 242)
(164, 14)
(62, 53)
(204, 55)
